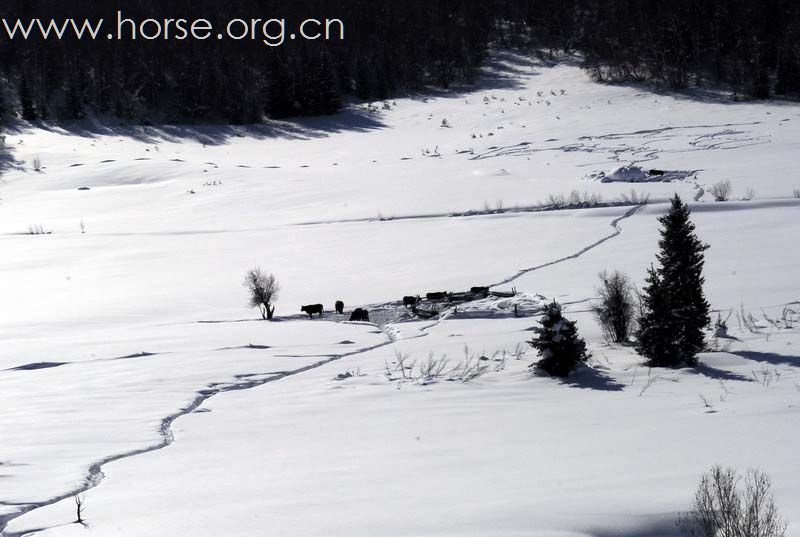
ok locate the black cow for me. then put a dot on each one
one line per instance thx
(410, 301)
(436, 296)
(359, 314)
(655, 172)
(479, 290)
(311, 309)
(339, 307)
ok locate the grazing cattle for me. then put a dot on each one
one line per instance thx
(339, 307)
(436, 296)
(479, 290)
(311, 309)
(410, 301)
(656, 172)
(359, 314)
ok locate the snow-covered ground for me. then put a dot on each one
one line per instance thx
(123, 328)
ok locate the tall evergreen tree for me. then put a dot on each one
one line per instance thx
(3, 102)
(558, 343)
(323, 88)
(73, 101)
(26, 100)
(674, 308)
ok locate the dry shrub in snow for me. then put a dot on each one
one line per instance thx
(721, 190)
(575, 200)
(616, 309)
(634, 198)
(724, 507)
(433, 369)
(37, 229)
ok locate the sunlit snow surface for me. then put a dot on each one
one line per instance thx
(134, 334)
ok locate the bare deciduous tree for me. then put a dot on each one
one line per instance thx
(616, 310)
(79, 507)
(264, 290)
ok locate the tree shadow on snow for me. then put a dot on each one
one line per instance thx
(351, 119)
(503, 70)
(592, 379)
(641, 526)
(719, 374)
(7, 161)
(769, 357)
(717, 93)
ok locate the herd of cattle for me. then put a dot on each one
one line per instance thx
(361, 314)
(358, 314)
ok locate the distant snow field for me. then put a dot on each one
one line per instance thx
(131, 369)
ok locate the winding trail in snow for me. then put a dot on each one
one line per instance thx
(616, 232)
(96, 474)
(521, 209)
(167, 437)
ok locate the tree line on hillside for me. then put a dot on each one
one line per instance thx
(388, 47)
(753, 45)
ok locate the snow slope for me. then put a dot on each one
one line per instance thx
(133, 336)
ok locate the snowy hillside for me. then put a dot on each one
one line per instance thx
(124, 326)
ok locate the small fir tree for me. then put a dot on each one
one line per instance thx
(558, 343)
(674, 308)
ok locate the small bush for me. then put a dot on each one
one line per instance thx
(796, 193)
(434, 369)
(574, 200)
(722, 508)
(721, 190)
(634, 198)
(37, 229)
(557, 341)
(616, 309)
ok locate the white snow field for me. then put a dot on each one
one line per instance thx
(132, 371)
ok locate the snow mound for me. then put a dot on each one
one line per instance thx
(522, 304)
(637, 174)
(502, 172)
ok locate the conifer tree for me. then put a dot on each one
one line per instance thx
(558, 343)
(328, 98)
(674, 308)
(26, 100)
(73, 101)
(280, 92)
(3, 102)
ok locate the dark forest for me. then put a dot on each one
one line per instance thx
(751, 47)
